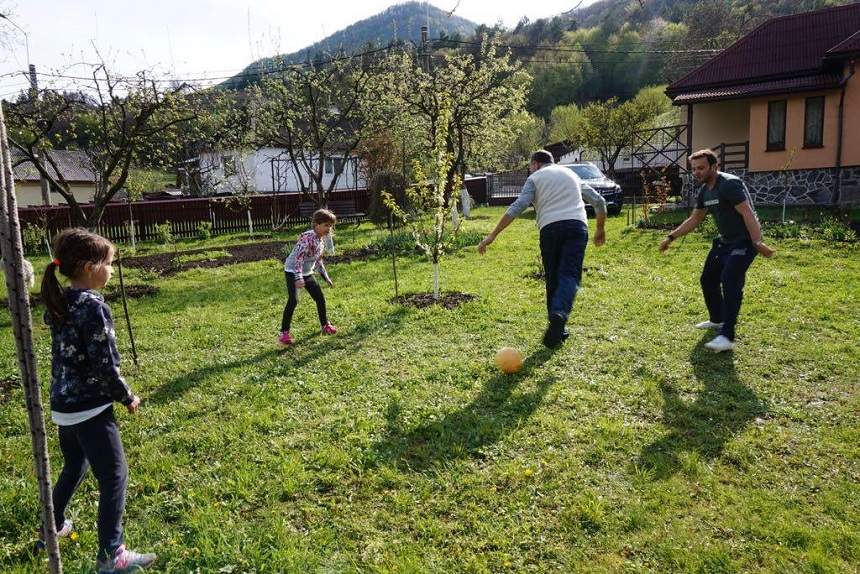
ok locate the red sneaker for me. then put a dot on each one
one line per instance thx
(329, 329)
(285, 338)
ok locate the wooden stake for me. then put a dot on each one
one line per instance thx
(125, 310)
(19, 308)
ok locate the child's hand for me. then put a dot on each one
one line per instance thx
(300, 283)
(133, 405)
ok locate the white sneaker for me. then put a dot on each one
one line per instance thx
(66, 529)
(709, 325)
(125, 561)
(720, 344)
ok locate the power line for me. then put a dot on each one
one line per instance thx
(241, 74)
(285, 67)
(585, 50)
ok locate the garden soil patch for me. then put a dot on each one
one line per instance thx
(449, 300)
(162, 263)
(131, 291)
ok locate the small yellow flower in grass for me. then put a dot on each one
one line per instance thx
(528, 473)
(73, 536)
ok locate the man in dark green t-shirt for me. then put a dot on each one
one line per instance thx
(726, 197)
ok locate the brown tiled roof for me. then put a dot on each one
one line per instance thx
(850, 45)
(785, 47)
(74, 165)
(803, 83)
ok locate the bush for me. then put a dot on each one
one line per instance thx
(829, 228)
(204, 230)
(34, 239)
(394, 184)
(403, 242)
(164, 233)
(833, 229)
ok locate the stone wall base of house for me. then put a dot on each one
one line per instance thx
(799, 187)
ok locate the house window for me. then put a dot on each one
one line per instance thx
(329, 166)
(813, 123)
(229, 166)
(776, 125)
(338, 164)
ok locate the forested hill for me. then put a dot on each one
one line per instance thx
(399, 23)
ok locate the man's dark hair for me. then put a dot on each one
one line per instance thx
(706, 153)
(542, 156)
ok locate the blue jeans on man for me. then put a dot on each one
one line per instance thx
(562, 247)
(723, 279)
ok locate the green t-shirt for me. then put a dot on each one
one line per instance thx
(721, 201)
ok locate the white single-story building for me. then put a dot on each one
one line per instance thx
(267, 170)
(76, 170)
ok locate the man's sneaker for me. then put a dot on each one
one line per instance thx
(709, 325)
(285, 338)
(329, 329)
(720, 344)
(555, 330)
(124, 561)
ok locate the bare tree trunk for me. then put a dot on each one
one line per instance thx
(19, 308)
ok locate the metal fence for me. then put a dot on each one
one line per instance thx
(504, 187)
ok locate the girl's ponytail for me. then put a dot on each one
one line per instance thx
(73, 248)
(52, 292)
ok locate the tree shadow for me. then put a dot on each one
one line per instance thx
(720, 411)
(463, 433)
(299, 355)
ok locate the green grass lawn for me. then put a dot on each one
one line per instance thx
(395, 445)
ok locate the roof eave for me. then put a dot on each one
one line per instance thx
(756, 94)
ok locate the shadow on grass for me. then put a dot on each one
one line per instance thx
(298, 355)
(463, 433)
(721, 410)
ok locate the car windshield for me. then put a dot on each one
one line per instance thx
(587, 171)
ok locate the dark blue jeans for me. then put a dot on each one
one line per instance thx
(94, 443)
(723, 282)
(562, 249)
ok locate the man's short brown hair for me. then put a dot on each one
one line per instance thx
(706, 153)
(542, 156)
(323, 216)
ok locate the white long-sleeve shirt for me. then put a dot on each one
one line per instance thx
(557, 195)
(306, 256)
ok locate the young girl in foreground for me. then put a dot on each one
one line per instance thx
(85, 382)
(299, 270)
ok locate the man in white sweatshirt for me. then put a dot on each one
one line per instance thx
(557, 196)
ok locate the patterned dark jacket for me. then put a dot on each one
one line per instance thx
(85, 359)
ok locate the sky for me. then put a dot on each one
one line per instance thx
(195, 38)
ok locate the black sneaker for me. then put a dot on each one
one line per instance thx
(555, 330)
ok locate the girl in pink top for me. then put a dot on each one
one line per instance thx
(299, 269)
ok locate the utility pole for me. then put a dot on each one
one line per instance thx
(425, 48)
(34, 97)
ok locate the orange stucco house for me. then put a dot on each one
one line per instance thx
(782, 106)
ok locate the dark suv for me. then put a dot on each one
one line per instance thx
(591, 176)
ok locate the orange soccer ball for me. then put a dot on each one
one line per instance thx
(509, 360)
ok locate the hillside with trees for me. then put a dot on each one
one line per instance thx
(399, 24)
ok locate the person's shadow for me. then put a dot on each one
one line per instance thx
(465, 432)
(721, 410)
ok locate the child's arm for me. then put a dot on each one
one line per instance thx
(103, 354)
(324, 273)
